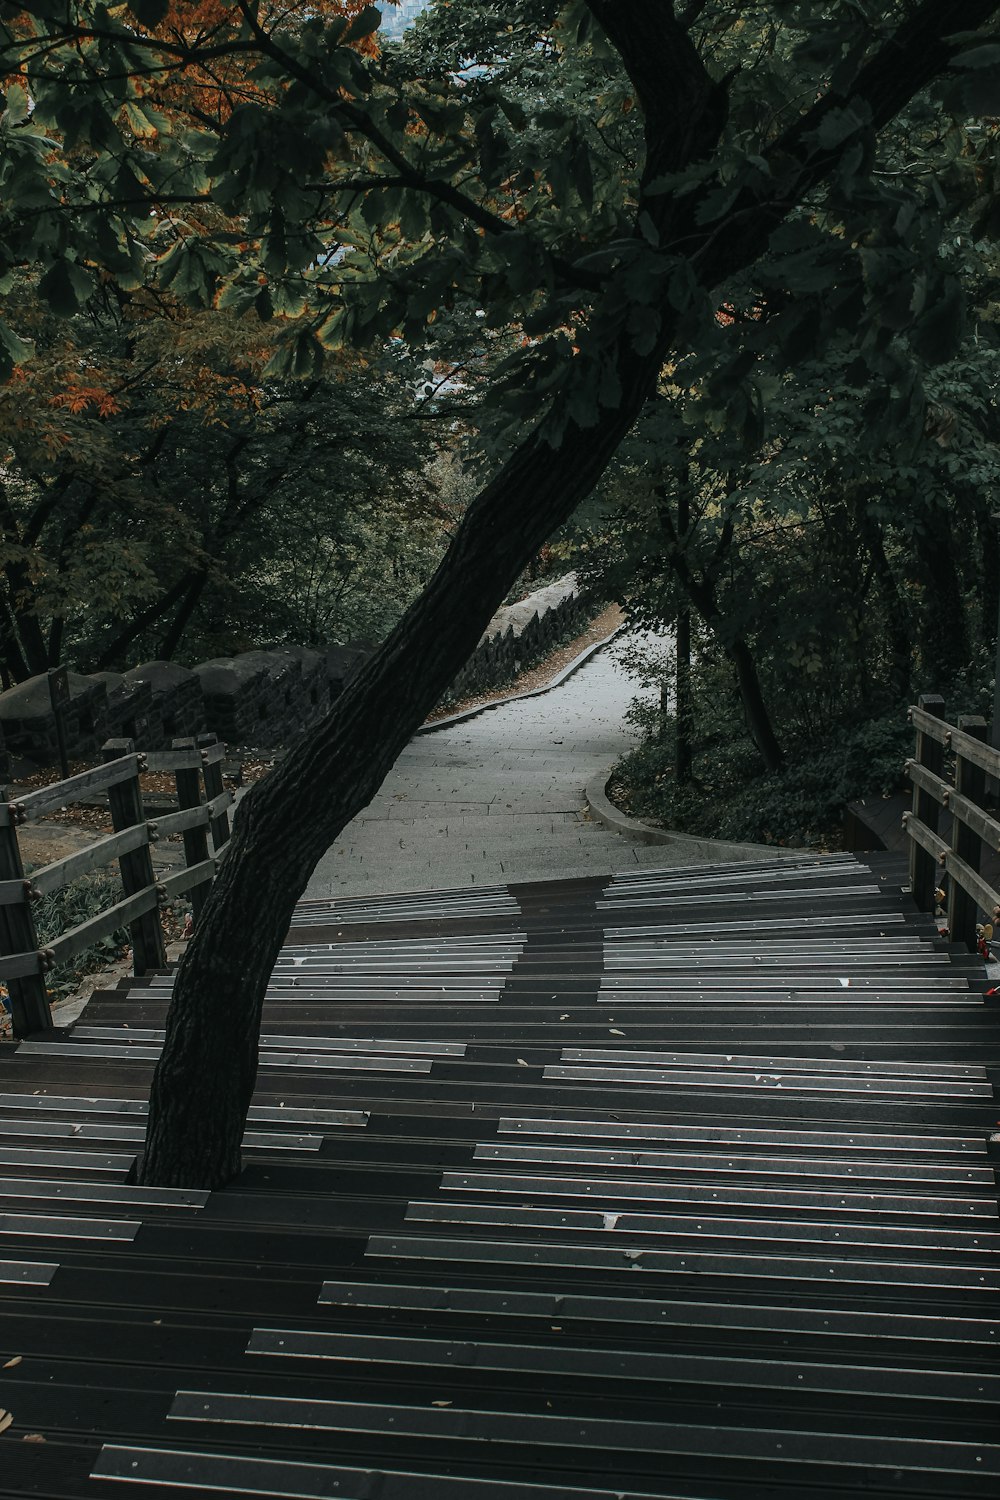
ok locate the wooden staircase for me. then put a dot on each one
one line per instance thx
(672, 1185)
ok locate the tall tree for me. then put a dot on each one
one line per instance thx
(436, 205)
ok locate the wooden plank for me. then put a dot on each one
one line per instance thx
(930, 755)
(63, 793)
(935, 729)
(982, 755)
(13, 891)
(173, 760)
(214, 790)
(106, 922)
(973, 817)
(183, 880)
(125, 802)
(192, 817)
(181, 822)
(189, 796)
(62, 872)
(985, 897)
(970, 787)
(185, 760)
(925, 837)
(220, 804)
(18, 938)
(928, 782)
(20, 966)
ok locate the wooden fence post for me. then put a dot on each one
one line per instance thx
(214, 788)
(970, 781)
(929, 754)
(125, 800)
(29, 1001)
(195, 839)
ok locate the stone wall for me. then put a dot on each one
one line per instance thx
(522, 634)
(258, 699)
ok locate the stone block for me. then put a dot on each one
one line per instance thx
(176, 706)
(28, 723)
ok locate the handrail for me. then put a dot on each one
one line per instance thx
(204, 811)
(971, 824)
(64, 793)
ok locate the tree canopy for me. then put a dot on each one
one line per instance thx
(660, 204)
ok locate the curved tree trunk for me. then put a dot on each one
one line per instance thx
(205, 1077)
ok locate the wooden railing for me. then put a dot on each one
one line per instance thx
(963, 794)
(23, 962)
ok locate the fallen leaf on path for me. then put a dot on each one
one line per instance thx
(12, 1362)
(32, 1437)
(440, 1403)
(5, 1420)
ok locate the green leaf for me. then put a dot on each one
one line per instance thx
(987, 56)
(13, 350)
(149, 12)
(938, 334)
(363, 24)
(16, 111)
(836, 126)
(65, 287)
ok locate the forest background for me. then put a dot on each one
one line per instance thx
(188, 471)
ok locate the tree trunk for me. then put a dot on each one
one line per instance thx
(944, 632)
(112, 653)
(684, 707)
(207, 1070)
(182, 618)
(752, 697)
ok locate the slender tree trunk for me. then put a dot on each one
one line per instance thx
(684, 707)
(111, 655)
(899, 627)
(899, 630)
(752, 698)
(182, 618)
(944, 633)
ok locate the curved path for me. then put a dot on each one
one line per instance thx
(500, 798)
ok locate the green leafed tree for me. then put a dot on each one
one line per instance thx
(376, 197)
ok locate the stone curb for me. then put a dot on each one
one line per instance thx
(605, 812)
(557, 681)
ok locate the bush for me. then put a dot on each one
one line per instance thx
(735, 799)
(58, 912)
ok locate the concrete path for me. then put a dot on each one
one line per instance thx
(500, 798)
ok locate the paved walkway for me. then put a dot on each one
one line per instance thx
(500, 798)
